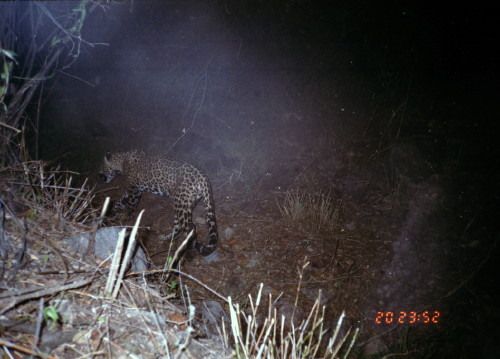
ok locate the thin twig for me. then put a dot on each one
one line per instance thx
(24, 349)
(186, 130)
(115, 263)
(97, 223)
(66, 32)
(48, 186)
(190, 277)
(39, 323)
(128, 255)
(10, 127)
(11, 302)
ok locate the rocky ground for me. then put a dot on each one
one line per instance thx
(368, 235)
(380, 249)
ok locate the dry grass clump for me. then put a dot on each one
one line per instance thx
(46, 190)
(279, 338)
(318, 212)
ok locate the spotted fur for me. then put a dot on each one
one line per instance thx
(180, 180)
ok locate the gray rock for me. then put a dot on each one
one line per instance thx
(212, 257)
(105, 244)
(213, 312)
(228, 233)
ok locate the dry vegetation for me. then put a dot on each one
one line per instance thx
(268, 336)
(320, 211)
(57, 303)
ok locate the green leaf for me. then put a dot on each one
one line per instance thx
(9, 53)
(7, 68)
(55, 41)
(50, 312)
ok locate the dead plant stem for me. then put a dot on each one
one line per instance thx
(35, 292)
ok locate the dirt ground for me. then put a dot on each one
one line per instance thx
(386, 253)
(363, 264)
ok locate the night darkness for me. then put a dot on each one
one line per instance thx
(387, 107)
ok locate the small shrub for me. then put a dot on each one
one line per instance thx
(318, 212)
